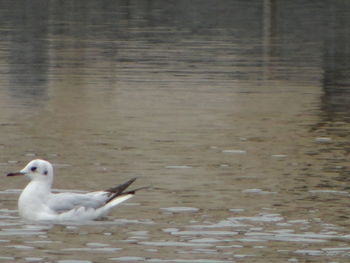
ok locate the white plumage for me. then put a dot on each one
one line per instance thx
(38, 203)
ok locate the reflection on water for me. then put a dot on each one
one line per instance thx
(236, 112)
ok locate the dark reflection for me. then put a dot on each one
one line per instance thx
(336, 65)
(24, 29)
(105, 41)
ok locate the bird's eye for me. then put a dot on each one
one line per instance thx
(33, 169)
(45, 172)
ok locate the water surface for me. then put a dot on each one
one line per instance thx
(236, 113)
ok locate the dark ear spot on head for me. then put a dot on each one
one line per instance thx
(45, 172)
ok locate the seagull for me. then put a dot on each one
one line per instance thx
(38, 203)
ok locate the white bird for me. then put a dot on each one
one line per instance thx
(38, 203)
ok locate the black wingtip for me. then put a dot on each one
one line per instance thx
(120, 188)
(137, 189)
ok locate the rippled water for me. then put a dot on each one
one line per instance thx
(236, 113)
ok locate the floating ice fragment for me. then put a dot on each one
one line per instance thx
(205, 240)
(19, 232)
(329, 192)
(90, 249)
(220, 224)
(128, 259)
(250, 240)
(92, 244)
(42, 242)
(259, 246)
(281, 231)
(260, 218)
(199, 233)
(323, 139)
(173, 244)
(138, 233)
(288, 237)
(309, 252)
(11, 191)
(180, 209)
(32, 259)
(20, 247)
(336, 249)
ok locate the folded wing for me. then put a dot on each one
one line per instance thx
(64, 202)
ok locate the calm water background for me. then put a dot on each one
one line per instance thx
(236, 112)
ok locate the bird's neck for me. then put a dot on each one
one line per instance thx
(33, 198)
(36, 190)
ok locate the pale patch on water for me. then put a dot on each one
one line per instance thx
(138, 235)
(33, 259)
(20, 247)
(125, 259)
(164, 243)
(20, 232)
(11, 191)
(93, 249)
(327, 191)
(323, 139)
(221, 224)
(205, 233)
(208, 240)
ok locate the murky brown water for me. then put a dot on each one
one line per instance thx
(236, 113)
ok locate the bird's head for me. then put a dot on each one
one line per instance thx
(37, 170)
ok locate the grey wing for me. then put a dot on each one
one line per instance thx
(61, 202)
(66, 201)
